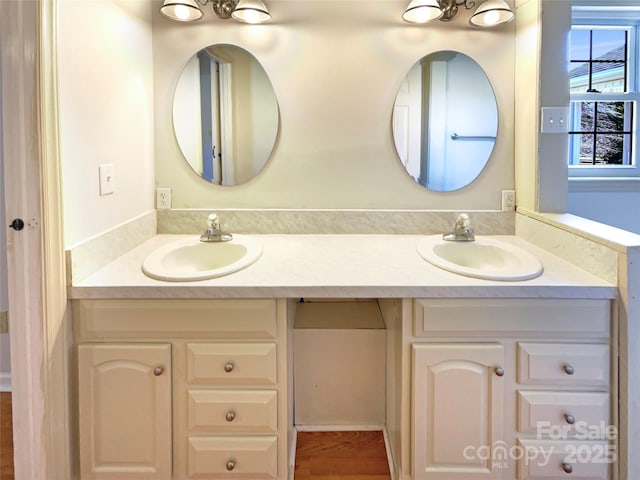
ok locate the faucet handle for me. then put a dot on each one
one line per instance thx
(462, 221)
(212, 220)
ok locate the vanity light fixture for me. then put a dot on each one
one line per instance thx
(489, 14)
(247, 11)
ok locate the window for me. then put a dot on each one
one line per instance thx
(604, 98)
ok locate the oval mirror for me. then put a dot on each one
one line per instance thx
(445, 120)
(225, 115)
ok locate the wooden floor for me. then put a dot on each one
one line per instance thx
(6, 438)
(341, 456)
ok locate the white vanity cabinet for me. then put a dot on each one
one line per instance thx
(501, 388)
(218, 408)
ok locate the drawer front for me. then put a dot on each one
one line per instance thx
(563, 364)
(580, 318)
(583, 460)
(233, 411)
(250, 458)
(231, 363)
(175, 318)
(564, 414)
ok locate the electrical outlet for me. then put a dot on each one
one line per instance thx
(163, 198)
(554, 120)
(107, 179)
(508, 200)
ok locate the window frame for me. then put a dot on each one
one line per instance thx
(613, 15)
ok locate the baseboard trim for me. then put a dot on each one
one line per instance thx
(5, 382)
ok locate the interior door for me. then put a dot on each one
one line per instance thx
(35, 253)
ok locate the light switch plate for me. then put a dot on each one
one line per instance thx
(554, 120)
(107, 180)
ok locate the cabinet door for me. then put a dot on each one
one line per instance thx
(457, 410)
(125, 411)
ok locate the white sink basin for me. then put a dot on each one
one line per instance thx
(190, 259)
(486, 258)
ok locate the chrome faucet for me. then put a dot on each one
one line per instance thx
(462, 231)
(214, 233)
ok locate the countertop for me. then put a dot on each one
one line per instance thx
(339, 266)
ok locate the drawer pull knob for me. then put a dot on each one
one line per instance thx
(158, 371)
(499, 371)
(228, 367)
(568, 369)
(570, 419)
(231, 464)
(230, 416)
(567, 468)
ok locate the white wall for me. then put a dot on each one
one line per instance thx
(336, 68)
(617, 208)
(105, 79)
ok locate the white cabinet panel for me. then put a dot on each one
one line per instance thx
(548, 412)
(564, 364)
(457, 408)
(125, 411)
(239, 458)
(231, 363)
(233, 411)
(545, 460)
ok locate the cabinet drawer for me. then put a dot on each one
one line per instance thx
(510, 317)
(175, 318)
(563, 364)
(539, 411)
(233, 411)
(587, 460)
(231, 363)
(247, 458)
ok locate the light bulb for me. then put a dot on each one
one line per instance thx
(181, 12)
(491, 17)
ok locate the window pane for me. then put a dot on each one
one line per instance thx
(611, 116)
(609, 149)
(586, 149)
(580, 44)
(608, 77)
(583, 115)
(579, 77)
(608, 44)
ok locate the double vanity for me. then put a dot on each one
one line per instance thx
(484, 378)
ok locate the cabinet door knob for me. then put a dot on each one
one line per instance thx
(228, 367)
(231, 464)
(567, 468)
(568, 369)
(499, 371)
(570, 419)
(230, 416)
(158, 371)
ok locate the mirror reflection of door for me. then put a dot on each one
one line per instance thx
(225, 115)
(209, 69)
(445, 121)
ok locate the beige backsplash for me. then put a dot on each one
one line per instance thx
(410, 222)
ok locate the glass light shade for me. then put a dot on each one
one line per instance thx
(492, 13)
(181, 10)
(422, 11)
(251, 11)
